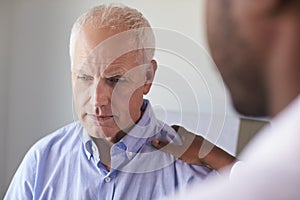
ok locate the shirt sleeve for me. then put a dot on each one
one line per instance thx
(22, 184)
(236, 167)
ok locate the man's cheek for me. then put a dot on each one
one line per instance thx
(81, 96)
(120, 107)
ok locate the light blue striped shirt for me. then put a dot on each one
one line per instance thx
(66, 165)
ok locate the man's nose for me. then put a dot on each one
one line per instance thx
(102, 93)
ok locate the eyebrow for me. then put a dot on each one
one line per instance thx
(113, 73)
(112, 70)
(81, 71)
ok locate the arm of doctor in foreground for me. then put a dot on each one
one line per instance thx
(196, 150)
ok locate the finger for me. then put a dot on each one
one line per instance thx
(169, 148)
(176, 127)
(159, 144)
(186, 136)
(196, 143)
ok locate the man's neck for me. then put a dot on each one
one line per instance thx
(104, 147)
(104, 144)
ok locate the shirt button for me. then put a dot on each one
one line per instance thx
(129, 154)
(107, 179)
(94, 149)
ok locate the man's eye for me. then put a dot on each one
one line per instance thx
(85, 77)
(116, 79)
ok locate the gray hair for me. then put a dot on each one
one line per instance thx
(116, 16)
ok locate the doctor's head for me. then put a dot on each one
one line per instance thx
(252, 43)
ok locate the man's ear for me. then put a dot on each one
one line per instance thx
(150, 73)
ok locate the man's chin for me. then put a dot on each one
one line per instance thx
(97, 131)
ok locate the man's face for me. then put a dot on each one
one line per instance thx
(108, 85)
(237, 40)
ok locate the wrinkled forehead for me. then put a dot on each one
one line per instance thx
(103, 46)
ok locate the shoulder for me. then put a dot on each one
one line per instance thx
(58, 144)
(68, 130)
(41, 156)
(62, 137)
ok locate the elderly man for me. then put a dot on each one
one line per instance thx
(108, 153)
(256, 45)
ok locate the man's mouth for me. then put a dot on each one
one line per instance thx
(104, 118)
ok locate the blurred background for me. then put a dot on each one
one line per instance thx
(35, 85)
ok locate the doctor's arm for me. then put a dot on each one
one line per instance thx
(196, 150)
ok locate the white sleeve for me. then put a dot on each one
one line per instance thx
(236, 168)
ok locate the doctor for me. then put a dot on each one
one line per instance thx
(256, 44)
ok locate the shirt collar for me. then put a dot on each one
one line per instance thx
(144, 129)
(131, 142)
(90, 147)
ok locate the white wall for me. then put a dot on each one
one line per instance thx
(35, 87)
(5, 9)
